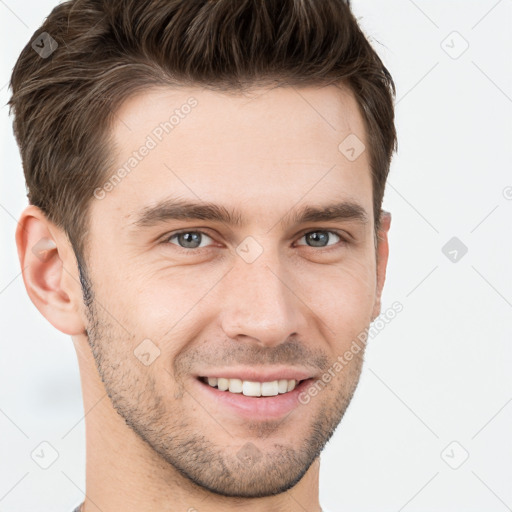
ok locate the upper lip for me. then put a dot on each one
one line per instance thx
(258, 375)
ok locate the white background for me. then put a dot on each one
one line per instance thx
(439, 373)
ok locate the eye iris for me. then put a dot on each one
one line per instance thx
(317, 238)
(190, 238)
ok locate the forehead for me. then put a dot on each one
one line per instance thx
(260, 152)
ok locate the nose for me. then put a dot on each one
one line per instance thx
(260, 302)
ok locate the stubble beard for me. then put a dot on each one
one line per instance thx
(178, 439)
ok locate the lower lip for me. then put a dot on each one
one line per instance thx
(263, 408)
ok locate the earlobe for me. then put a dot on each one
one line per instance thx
(47, 268)
(382, 259)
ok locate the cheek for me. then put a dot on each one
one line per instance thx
(343, 297)
(161, 303)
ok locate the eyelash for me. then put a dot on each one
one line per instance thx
(343, 240)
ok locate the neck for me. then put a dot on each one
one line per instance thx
(124, 473)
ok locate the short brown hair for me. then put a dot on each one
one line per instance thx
(108, 50)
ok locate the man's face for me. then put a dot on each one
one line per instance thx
(268, 298)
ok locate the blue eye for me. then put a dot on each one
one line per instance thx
(320, 237)
(190, 239)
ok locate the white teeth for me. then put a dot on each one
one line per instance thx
(222, 384)
(252, 388)
(235, 386)
(282, 386)
(269, 388)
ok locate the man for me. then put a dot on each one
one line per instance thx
(205, 182)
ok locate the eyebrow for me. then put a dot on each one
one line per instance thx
(180, 209)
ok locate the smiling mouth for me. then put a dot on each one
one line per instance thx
(252, 388)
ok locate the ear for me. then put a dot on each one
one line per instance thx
(50, 271)
(382, 259)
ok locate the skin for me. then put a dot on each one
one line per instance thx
(296, 306)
